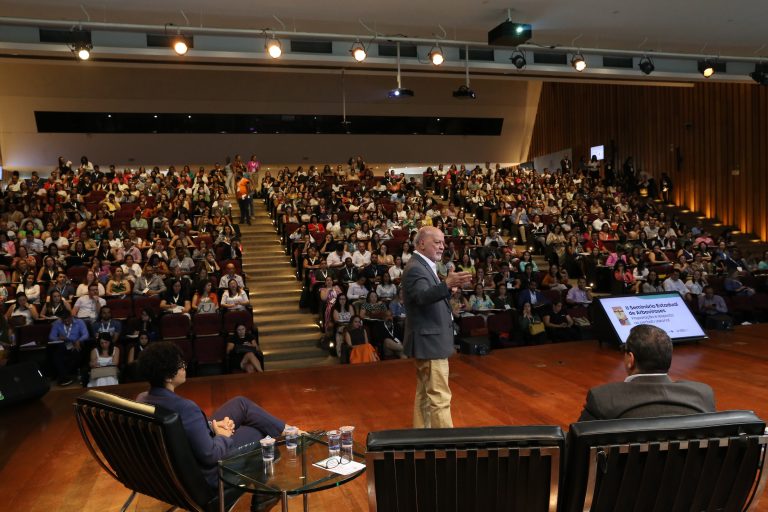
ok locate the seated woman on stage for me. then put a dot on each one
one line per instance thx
(237, 423)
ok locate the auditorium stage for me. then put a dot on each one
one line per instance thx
(44, 465)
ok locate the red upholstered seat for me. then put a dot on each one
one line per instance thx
(206, 324)
(232, 318)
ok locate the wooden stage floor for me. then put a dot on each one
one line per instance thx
(44, 465)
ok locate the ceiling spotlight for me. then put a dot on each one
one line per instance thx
(518, 59)
(646, 65)
(358, 51)
(760, 74)
(706, 68)
(180, 45)
(274, 49)
(578, 62)
(436, 56)
(82, 50)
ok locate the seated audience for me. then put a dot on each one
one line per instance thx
(356, 344)
(105, 357)
(234, 297)
(734, 286)
(530, 326)
(674, 284)
(579, 295)
(68, 336)
(205, 299)
(559, 324)
(373, 308)
(243, 350)
(87, 307)
(174, 300)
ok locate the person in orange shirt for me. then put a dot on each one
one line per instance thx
(244, 197)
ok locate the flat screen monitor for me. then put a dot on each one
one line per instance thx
(598, 151)
(666, 310)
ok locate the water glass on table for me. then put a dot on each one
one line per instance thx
(347, 440)
(291, 437)
(268, 449)
(334, 443)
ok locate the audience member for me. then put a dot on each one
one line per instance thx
(68, 336)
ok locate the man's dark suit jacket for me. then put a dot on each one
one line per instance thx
(525, 296)
(647, 396)
(429, 323)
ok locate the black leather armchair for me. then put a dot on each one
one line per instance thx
(712, 461)
(465, 469)
(145, 448)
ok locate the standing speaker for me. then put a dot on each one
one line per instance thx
(21, 382)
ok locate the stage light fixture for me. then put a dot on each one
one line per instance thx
(274, 48)
(82, 50)
(436, 55)
(358, 51)
(180, 45)
(646, 65)
(706, 68)
(760, 74)
(518, 59)
(578, 62)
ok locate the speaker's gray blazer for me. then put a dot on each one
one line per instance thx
(647, 396)
(428, 319)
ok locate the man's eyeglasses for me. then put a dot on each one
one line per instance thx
(333, 462)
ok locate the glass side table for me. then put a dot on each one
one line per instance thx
(292, 473)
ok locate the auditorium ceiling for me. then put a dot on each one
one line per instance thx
(712, 27)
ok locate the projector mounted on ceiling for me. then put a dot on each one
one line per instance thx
(510, 33)
(400, 92)
(464, 93)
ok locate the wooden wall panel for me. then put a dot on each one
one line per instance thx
(716, 127)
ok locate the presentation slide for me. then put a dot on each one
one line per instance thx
(667, 311)
(598, 151)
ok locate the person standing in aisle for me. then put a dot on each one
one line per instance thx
(244, 198)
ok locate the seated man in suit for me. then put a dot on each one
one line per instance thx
(237, 423)
(647, 391)
(532, 295)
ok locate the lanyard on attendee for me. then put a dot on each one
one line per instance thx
(176, 299)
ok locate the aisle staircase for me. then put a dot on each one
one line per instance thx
(288, 336)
